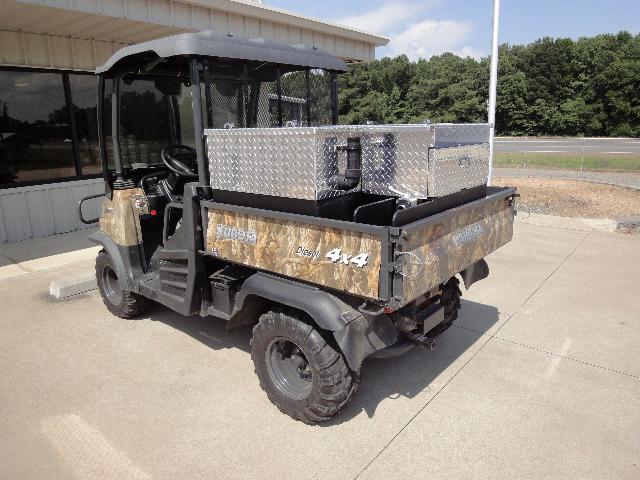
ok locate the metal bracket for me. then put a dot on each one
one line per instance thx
(79, 209)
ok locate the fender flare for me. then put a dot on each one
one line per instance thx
(357, 335)
(113, 250)
(475, 272)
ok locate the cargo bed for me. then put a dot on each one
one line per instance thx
(392, 264)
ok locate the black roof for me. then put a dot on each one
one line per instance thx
(226, 45)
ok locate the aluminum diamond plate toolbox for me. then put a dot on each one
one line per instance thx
(395, 159)
(293, 162)
(417, 161)
(455, 168)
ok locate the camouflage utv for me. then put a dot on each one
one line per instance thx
(232, 192)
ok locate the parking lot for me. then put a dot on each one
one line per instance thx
(539, 378)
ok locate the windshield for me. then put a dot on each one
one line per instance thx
(154, 112)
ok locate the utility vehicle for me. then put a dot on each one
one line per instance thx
(232, 192)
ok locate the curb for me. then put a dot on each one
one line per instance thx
(67, 287)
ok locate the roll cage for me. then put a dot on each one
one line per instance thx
(232, 82)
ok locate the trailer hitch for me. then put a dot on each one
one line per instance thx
(423, 340)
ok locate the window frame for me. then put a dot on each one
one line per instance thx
(68, 97)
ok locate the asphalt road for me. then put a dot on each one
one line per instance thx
(558, 145)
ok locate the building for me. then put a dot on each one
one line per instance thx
(49, 158)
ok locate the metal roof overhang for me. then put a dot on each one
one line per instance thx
(23, 17)
(133, 21)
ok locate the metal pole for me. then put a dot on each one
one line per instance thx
(493, 82)
(198, 127)
(207, 95)
(119, 183)
(334, 98)
(279, 92)
(307, 79)
(104, 161)
(245, 94)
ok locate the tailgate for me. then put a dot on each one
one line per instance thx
(434, 249)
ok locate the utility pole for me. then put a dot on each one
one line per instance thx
(493, 83)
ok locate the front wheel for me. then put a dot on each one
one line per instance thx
(121, 303)
(301, 373)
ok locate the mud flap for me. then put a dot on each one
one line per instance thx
(475, 272)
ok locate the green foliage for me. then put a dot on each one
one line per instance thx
(550, 87)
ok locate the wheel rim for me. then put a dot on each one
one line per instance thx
(289, 368)
(111, 288)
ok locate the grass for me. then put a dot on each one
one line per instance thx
(570, 161)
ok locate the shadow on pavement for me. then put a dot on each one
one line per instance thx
(209, 331)
(412, 374)
(405, 376)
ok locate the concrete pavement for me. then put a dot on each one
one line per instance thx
(38, 254)
(539, 378)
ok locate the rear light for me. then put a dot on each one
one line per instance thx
(153, 213)
(388, 310)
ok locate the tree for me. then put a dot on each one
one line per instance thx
(550, 87)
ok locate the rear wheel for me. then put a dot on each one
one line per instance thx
(301, 373)
(122, 303)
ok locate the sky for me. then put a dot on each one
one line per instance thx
(422, 28)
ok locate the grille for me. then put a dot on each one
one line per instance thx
(173, 277)
(174, 265)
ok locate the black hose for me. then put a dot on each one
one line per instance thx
(351, 177)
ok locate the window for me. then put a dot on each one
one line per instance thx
(35, 133)
(40, 141)
(83, 89)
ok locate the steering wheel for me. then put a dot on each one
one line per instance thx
(180, 159)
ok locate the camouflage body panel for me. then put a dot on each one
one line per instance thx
(332, 257)
(434, 253)
(120, 218)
